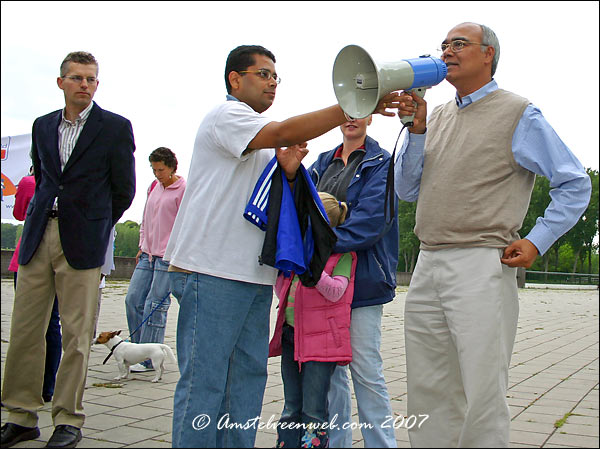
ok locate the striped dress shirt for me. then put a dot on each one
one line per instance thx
(68, 134)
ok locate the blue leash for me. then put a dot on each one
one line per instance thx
(149, 315)
(138, 328)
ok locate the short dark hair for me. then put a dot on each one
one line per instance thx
(164, 155)
(79, 57)
(242, 57)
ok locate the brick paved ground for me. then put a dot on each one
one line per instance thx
(553, 377)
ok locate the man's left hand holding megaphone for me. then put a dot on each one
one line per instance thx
(407, 104)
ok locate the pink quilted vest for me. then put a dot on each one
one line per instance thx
(321, 327)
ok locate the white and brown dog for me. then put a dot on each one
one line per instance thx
(127, 354)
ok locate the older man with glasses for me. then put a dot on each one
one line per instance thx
(472, 166)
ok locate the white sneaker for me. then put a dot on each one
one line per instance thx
(139, 368)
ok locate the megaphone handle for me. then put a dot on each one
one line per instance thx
(408, 120)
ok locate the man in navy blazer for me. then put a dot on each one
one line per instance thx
(85, 179)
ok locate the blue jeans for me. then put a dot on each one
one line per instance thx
(372, 398)
(305, 393)
(149, 285)
(222, 350)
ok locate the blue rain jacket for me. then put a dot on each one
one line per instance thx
(365, 230)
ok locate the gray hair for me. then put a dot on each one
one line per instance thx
(490, 39)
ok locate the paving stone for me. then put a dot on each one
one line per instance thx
(554, 371)
(138, 412)
(531, 438)
(528, 426)
(573, 440)
(152, 443)
(117, 401)
(106, 421)
(89, 443)
(580, 419)
(579, 429)
(125, 435)
(529, 416)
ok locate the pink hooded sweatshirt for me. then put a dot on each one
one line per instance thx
(321, 327)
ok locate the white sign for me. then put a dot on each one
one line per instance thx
(16, 162)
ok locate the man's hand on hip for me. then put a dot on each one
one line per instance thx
(521, 253)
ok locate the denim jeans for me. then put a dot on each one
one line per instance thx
(53, 351)
(305, 393)
(372, 398)
(149, 285)
(222, 350)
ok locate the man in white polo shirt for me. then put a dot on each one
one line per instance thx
(224, 294)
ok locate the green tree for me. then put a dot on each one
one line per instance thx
(127, 239)
(540, 198)
(578, 243)
(575, 238)
(19, 231)
(581, 236)
(590, 222)
(408, 243)
(9, 236)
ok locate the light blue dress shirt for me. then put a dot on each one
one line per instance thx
(537, 148)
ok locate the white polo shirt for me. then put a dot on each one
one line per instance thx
(210, 234)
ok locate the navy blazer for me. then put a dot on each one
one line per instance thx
(95, 188)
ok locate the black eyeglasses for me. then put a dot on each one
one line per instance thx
(79, 79)
(264, 74)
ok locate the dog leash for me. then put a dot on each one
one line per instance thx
(138, 328)
(111, 352)
(146, 319)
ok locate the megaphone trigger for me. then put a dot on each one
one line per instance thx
(408, 120)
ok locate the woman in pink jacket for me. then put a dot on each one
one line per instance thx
(312, 335)
(149, 290)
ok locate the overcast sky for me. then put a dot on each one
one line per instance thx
(162, 63)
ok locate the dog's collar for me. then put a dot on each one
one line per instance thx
(111, 352)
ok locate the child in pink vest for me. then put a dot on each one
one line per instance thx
(312, 335)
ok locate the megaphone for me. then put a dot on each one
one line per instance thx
(359, 82)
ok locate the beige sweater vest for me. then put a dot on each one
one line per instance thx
(473, 193)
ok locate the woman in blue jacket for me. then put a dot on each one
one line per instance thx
(355, 172)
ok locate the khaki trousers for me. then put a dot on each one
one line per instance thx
(460, 317)
(48, 273)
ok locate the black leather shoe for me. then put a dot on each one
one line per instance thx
(64, 436)
(13, 433)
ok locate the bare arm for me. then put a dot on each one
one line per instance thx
(305, 127)
(298, 129)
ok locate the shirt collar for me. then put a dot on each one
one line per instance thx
(231, 98)
(83, 115)
(477, 95)
(338, 152)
